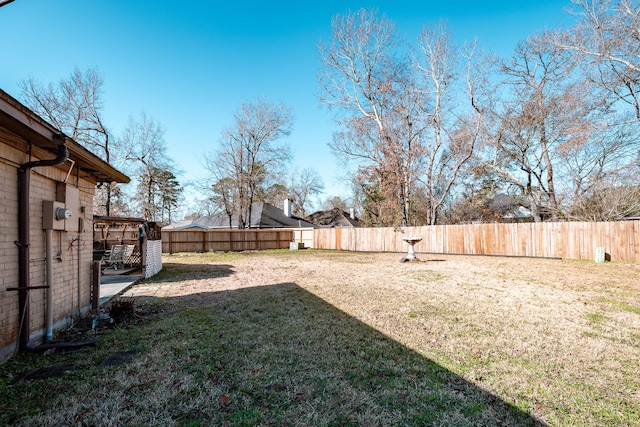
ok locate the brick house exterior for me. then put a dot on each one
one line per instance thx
(30, 249)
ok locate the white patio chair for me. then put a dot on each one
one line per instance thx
(115, 258)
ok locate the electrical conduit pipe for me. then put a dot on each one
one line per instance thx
(24, 275)
(49, 273)
(24, 174)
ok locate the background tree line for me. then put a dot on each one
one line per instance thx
(435, 132)
(249, 164)
(431, 131)
(75, 106)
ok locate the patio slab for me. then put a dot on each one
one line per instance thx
(112, 285)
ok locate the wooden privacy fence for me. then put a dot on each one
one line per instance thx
(571, 240)
(225, 240)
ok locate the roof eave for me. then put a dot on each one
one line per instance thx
(23, 122)
(92, 164)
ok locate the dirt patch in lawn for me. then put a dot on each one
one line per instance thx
(556, 338)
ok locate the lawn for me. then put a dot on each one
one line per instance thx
(322, 338)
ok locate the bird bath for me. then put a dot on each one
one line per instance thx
(411, 254)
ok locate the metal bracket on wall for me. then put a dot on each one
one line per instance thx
(70, 169)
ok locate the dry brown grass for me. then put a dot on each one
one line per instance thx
(557, 338)
(332, 338)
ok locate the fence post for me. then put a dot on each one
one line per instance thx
(95, 286)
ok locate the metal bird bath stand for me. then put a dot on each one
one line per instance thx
(411, 254)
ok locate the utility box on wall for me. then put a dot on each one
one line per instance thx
(54, 215)
(70, 197)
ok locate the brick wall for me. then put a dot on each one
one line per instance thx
(72, 249)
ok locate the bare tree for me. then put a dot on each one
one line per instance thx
(250, 154)
(453, 81)
(111, 200)
(409, 124)
(545, 114)
(147, 160)
(74, 105)
(223, 198)
(607, 40)
(605, 164)
(335, 202)
(366, 78)
(610, 202)
(555, 144)
(275, 194)
(304, 185)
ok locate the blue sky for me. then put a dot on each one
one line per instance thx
(189, 64)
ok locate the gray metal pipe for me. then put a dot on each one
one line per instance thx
(49, 273)
(24, 279)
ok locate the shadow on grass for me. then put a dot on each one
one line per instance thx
(268, 355)
(179, 271)
(283, 356)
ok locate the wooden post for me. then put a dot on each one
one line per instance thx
(95, 286)
(143, 252)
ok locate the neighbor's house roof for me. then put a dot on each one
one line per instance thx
(519, 214)
(517, 208)
(21, 121)
(511, 208)
(181, 225)
(333, 218)
(263, 215)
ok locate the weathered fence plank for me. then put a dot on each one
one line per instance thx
(225, 240)
(571, 240)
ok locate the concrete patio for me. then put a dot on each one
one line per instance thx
(112, 285)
